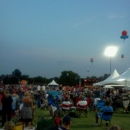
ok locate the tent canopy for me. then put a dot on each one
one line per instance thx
(108, 86)
(53, 83)
(123, 79)
(97, 84)
(112, 76)
(114, 86)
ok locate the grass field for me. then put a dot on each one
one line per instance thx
(83, 123)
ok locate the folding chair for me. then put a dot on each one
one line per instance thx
(100, 104)
(82, 109)
(106, 116)
(66, 108)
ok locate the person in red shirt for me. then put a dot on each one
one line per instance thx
(57, 120)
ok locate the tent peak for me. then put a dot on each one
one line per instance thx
(53, 83)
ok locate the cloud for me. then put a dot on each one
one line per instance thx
(115, 16)
(83, 22)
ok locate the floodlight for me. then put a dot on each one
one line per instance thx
(111, 51)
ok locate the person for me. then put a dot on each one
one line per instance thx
(115, 127)
(57, 119)
(102, 94)
(38, 99)
(9, 125)
(27, 110)
(108, 93)
(14, 103)
(66, 123)
(1, 94)
(82, 103)
(96, 96)
(66, 105)
(125, 98)
(78, 98)
(106, 108)
(6, 106)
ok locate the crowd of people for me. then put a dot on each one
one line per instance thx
(25, 98)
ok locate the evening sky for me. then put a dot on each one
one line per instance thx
(46, 37)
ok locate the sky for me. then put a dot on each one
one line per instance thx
(46, 37)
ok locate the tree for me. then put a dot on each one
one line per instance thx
(66, 78)
(106, 76)
(100, 78)
(2, 77)
(38, 80)
(69, 78)
(93, 77)
(17, 73)
(25, 77)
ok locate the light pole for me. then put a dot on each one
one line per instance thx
(110, 52)
(110, 65)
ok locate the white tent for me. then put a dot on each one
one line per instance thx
(108, 86)
(97, 84)
(113, 75)
(123, 79)
(53, 83)
(115, 85)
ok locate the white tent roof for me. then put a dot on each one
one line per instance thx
(124, 76)
(107, 86)
(53, 83)
(97, 84)
(123, 79)
(113, 75)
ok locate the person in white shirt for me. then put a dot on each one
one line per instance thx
(82, 103)
(66, 104)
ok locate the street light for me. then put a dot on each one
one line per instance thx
(110, 52)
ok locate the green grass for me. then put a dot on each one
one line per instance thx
(83, 123)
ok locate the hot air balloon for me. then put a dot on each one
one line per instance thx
(122, 56)
(124, 35)
(91, 60)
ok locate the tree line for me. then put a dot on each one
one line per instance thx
(66, 78)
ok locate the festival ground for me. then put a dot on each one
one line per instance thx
(83, 123)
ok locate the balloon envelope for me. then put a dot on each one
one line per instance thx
(122, 56)
(124, 33)
(91, 60)
(124, 37)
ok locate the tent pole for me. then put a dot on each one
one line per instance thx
(110, 65)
